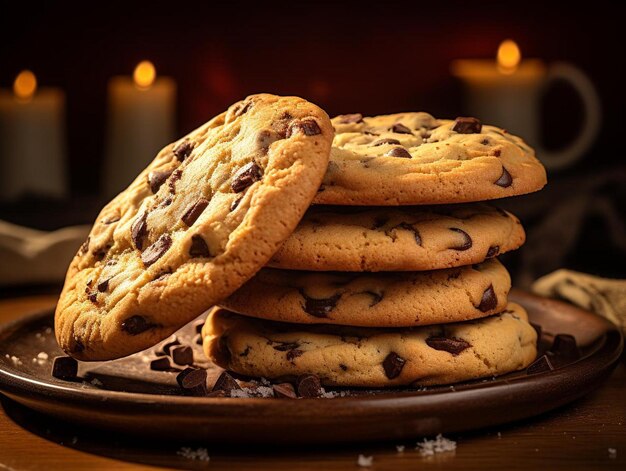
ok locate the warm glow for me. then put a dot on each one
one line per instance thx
(144, 74)
(509, 56)
(25, 85)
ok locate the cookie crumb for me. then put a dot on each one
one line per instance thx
(400, 448)
(96, 382)
(439, 445)
(365, 461)
(255, 391)
(200, 454)
(612, 453)
(15, 360)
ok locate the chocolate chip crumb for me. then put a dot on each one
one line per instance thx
(246, 176)
(285, 390)
(467, 125)
(193, 211)
(226, 383)
(309, 386)
(505, 179)
(393, 365)
(451, 345)
(65, 368)
(156, 250)
(488, 301)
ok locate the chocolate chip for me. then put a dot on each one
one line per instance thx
(243, 107)
(156, 178)
(319, 307)
(497, 153)
(103, 285)
(489, 300)
(308, 126)
(467, 125)
(400, 128)
(380, 142)
(246, 176)
(156, 250)
(493, 251)
(350, 118)
(400, 152)
(408, 227)
(199, 247)
(565, 347)
(293, 354)
(451, 345)
(309, 386)
(193, 211)
(171, 182)
(226, 383)
(182, 355)
(376, 297)
(100, 252)
(285, 390)
(540, 365)
(393, 365)
(139, 230)
(198, 326)
(85, 247)
(467, 240)
(236, 202)
(246, 351)
(505, 179)
(343, 367)
(454, 275)
(135, 325)
(485, 142)
(285, 346)
(183, 149)
(193, 381)
(93, 297)
(65, 368)
(160, 364)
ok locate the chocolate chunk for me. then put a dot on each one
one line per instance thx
(156, 250)
(319, 307)
(393, 365)
(466, 125)
(350, 118)
(226, 383)
(400, 152)
(246, 176)
(565, 347)
(236, 202)
(293, 354)
(380, 142)
(183, 149)
(285, 390)
(493, 251)
(193, 211)
(451, 345)
(193, 381)
(540, 365)
(103, 285)
(309, 386)
(85, 247)
(182, 355)
(505, 179)
(160, 364)
(197, 327)
(135, 325)
(467, 240)
(308, 126)
(489, 300)
(156, 178)
(65, 368)
(167, 346)
(199, 247)
(139, 230)
(400, 128)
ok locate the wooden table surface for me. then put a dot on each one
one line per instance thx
(576, 437)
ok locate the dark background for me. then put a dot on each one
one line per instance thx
(372, 58)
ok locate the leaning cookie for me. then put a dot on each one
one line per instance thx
(344, 356)
(413, 158)
(201, 219)
(384, 299)
(407, 238)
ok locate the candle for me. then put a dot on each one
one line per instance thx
(140, 123)
(507, 93)
(32, 140)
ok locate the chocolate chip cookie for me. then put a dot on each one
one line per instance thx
(350, 356)
(398, 239)
(413, 158)
(385, 299)
(201, 219)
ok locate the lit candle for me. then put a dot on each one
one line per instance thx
(32, 140)
(507, 93)
(140, 123)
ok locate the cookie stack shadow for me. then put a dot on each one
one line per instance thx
(398, 288)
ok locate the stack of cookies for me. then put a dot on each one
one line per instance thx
(391, 277)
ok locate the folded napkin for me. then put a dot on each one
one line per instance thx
(29, 256)
(603, 296)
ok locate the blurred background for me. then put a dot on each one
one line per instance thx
(81, 113)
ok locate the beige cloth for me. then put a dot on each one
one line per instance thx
(603, 296)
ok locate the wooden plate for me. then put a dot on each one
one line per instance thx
(126, 396)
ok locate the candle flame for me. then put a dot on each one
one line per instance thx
(509, 56)
(25, 85)
(144, 74)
